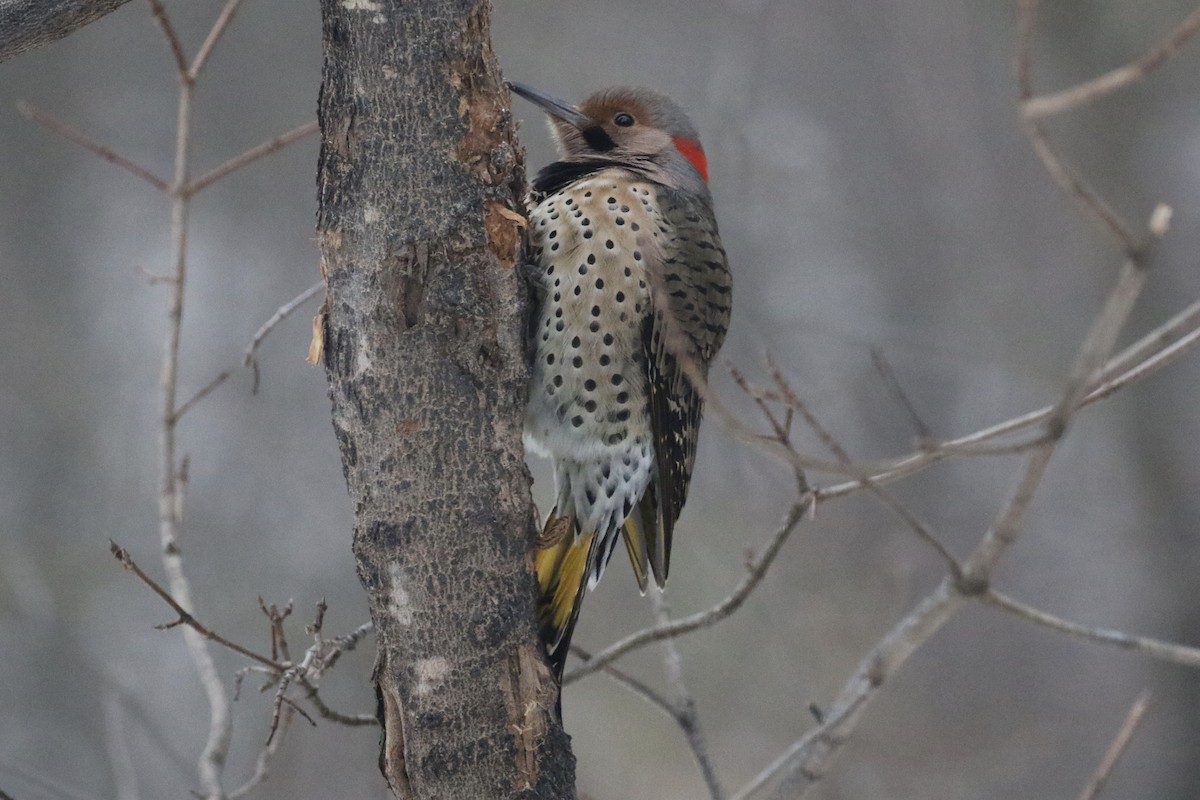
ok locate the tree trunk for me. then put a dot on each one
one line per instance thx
(418, 176)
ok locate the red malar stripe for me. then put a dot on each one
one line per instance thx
(694, 153)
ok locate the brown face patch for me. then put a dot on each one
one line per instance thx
(605, 108)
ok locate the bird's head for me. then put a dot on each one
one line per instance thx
(623, 125)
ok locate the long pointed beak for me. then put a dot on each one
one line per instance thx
(553, 106)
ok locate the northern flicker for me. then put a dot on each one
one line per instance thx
(633, 301)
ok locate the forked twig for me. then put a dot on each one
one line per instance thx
(185, 617)
(210, 41)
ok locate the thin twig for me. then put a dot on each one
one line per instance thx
(1117, 748)
(1158, 348)
(71, 134)
(204, 392)
(632, 684)
(757, 568)
(283, 312)
(897, 391)
(250, 156)
(214, 35)
(334, 648)
(262, 765)
(1152, 648)
(1088, 91)
(164, 24)
(805, 762)
(919, 528)
(683, 702)
(1063, 174)
(220, 729)
(782, 428)
(326, 712)
(185, 617)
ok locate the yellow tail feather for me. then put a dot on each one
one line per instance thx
(561, 562)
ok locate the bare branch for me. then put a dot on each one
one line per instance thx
(632, 684)
(781, 428)
(204, 392)
(757, 569)
(25, 24)
(1026, 14)
(250, 156)
(683, 702)
(1152, 648)
(283, 312)
(1089, 91)
(325, 712)
(1119, 743)
(164, 23)
(1155, 350)
(919, 528)
(214, 36)
(185, 616)
(897, 391)
(1063, 174)
(1093, 353)
(262, 766)
(73, 135)
(806, 760)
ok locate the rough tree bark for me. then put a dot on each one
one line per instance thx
(418, 176)
(28, 23)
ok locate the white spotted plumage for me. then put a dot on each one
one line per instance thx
(588, 400)
(632, 303)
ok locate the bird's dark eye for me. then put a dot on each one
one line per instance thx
(623, 119)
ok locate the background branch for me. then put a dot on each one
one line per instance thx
(1134, 718)
(25, 24)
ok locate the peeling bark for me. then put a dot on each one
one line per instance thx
(419, 181)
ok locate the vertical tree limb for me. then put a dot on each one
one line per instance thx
(418, 176)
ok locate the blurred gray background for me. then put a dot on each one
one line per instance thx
(873, 190)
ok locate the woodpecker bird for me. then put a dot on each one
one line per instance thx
(633, 301)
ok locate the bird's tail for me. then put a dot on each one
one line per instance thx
(567, 564)
(562, 562)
